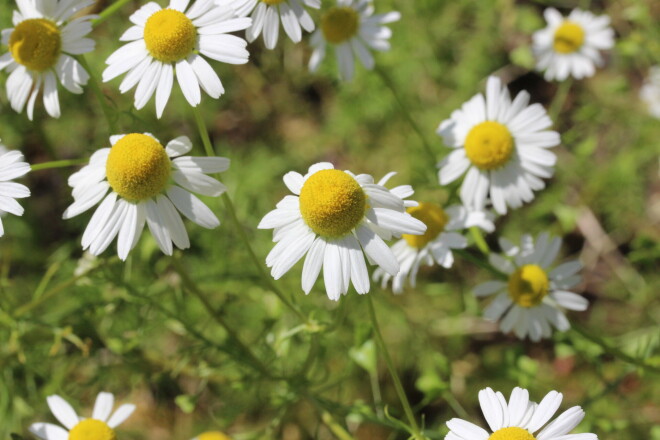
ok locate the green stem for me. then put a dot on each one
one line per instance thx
(614, 351)
(58, 164)
(479, 240)
(110, 114)
(481, 263)
(59, 288)
(208, 147)
(107, 12)
(560, 99)
(407, 114)
(192, 287)
(417, 434)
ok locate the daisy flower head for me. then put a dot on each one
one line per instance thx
(212, 435)
(137, 181)
(333, 217)
(650, 92)
(443, 226)
(571, 46)
(267, 14)
(529, 303)
(42, 45)
(352, 30)
(520, 419)
(11, 167)
(101, 426)
(501, 146)
(176, 39)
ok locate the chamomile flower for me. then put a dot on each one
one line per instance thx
(571, 46)
(520, 419)
(212, 435)
(436, 244)
(650, 92)
(501, 146)
(42, 44)
(146, 183)
(352, 30)
(267, 14)
(11, 167)
(529, 303)
(101, 426)
(333, 217)
(176, 39)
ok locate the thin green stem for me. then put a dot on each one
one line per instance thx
(192, 287)
(479, 240)
(389, 83)
(481, 263)
(208, 147)
(58, 164)
(109, 113)
(417, 434)
(614, 351)
(560, 99)
(58, 289)
(107, 12)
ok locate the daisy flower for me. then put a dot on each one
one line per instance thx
(165, 41)
(333, 217)
(352, 29)
(441, 236)
(267, 14)
(501, 146)
(571, 46)
(212, 435)
(520, 419)
(650, 92)
(530, 301)
(11, 167)
(41, 45)
(101, 426)
(146, 183)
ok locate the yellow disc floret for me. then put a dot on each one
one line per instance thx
(169, 35)
(569, 37)
(339, 24)
(138, 167)
(435, 219)
(332, 203)
(528, 285)
(213, 435)
(272, 2)
(92, 429)
(489, 145)
(513, 433)
(36, 43)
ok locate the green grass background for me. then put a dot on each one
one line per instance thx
(133, 329)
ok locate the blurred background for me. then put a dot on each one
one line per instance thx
(73, 325)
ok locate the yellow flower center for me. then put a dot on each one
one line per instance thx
(138, 167)
(169, 35)
(568, 37)
(272, 3)
(513, 433)
(435, 219)
(489, 145)
(213, 435)
(91, 429)
(36, 43)
(339, 24)
(528, 285)
(332, 203)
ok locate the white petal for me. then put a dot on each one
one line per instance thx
(122, 413)
(62, 411)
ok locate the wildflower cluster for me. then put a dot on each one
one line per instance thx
(500, 156)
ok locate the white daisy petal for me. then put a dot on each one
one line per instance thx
(62, 411)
